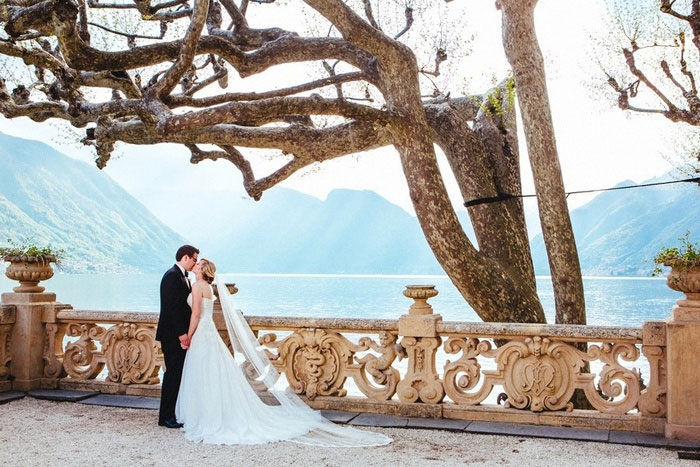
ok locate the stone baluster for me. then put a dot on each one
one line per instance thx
(420, 339)
(683, 348)
(27, 340)
(7, 320)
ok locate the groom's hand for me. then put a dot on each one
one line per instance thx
(184, 342)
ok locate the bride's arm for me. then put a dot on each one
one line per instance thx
(196, 309)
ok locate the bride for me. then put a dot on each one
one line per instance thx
(218, 405)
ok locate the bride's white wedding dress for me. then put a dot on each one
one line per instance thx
(217, 404)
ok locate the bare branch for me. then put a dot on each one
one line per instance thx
(666, 6)
(408, 13)
(126, 34)
(83, 22)
(178, 100)
(370, 14)
(270, 110)
(187, 51)
(629, 58)
(253, 187)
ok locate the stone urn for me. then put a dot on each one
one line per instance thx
(29, 271)
(685, 278)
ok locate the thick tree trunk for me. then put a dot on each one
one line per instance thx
(499, 227)
(489, 287)
(525, 57)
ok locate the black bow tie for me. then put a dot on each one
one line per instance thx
(187, 273)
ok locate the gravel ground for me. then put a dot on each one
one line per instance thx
(36, 433)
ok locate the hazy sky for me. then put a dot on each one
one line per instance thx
(598, 144)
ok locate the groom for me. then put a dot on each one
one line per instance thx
(173, 324)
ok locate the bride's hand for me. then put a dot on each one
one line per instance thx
(185, 341)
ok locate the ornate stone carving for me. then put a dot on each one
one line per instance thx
(421, 382)
(5, 355)
(652, 401)
(318, 362)
(420, 341)
(29, 271)
(53, 350)
(615, 379)
(130, 352)
(81, 359)
(462, 376)
(684, 279)
(384, 377)
(541, 374)
(314, 361)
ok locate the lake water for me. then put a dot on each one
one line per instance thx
(609, 301)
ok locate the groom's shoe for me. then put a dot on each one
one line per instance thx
(170, 423)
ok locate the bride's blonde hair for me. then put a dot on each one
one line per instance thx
(208, 270)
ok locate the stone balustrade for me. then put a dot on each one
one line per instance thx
(433, 369)
(416, 365)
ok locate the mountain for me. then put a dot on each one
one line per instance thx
(619, 232)
(47, 197)
(52, 198)
(351, 232)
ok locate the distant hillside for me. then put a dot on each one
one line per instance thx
(54, 199)
(50, 198)
(619, 232)
(290, 232)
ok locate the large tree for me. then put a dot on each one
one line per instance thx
(161, 89)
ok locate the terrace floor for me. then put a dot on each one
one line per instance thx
(70, 427)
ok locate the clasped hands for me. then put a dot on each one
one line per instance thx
(184, 341)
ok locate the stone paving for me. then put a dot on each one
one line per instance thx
(392, 421)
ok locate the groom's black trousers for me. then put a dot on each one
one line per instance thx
(174, 356)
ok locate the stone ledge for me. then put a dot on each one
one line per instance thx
(338, 416)
(537, 431)
(386, 421)
(61, 395)
(438, 424)
(130, 402)
(10, 396)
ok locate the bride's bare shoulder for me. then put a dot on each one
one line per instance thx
(202, 288)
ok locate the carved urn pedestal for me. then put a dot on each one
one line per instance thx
(32, 309)
(421, 341)
(683, 347)
(29, 271)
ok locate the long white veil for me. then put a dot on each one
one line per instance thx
(321, 432)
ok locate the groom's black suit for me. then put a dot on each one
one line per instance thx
(173, 322)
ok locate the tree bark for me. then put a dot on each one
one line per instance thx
(524, 55)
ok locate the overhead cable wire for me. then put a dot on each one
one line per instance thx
(506, 196)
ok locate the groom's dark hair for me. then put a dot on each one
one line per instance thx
(188, 250)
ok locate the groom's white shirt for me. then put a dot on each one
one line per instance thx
(182, 270)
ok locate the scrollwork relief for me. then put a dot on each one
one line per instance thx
(461, 376)
(652, 401)
(81, 359)
(541, 374)
(130, 352)
(314, 361)
(385, 378)
(53, 350)
(615, 379)
(5, 356)
(421, 382)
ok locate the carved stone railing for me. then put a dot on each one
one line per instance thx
(7, 319)
(367, 365)
(113, 352)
